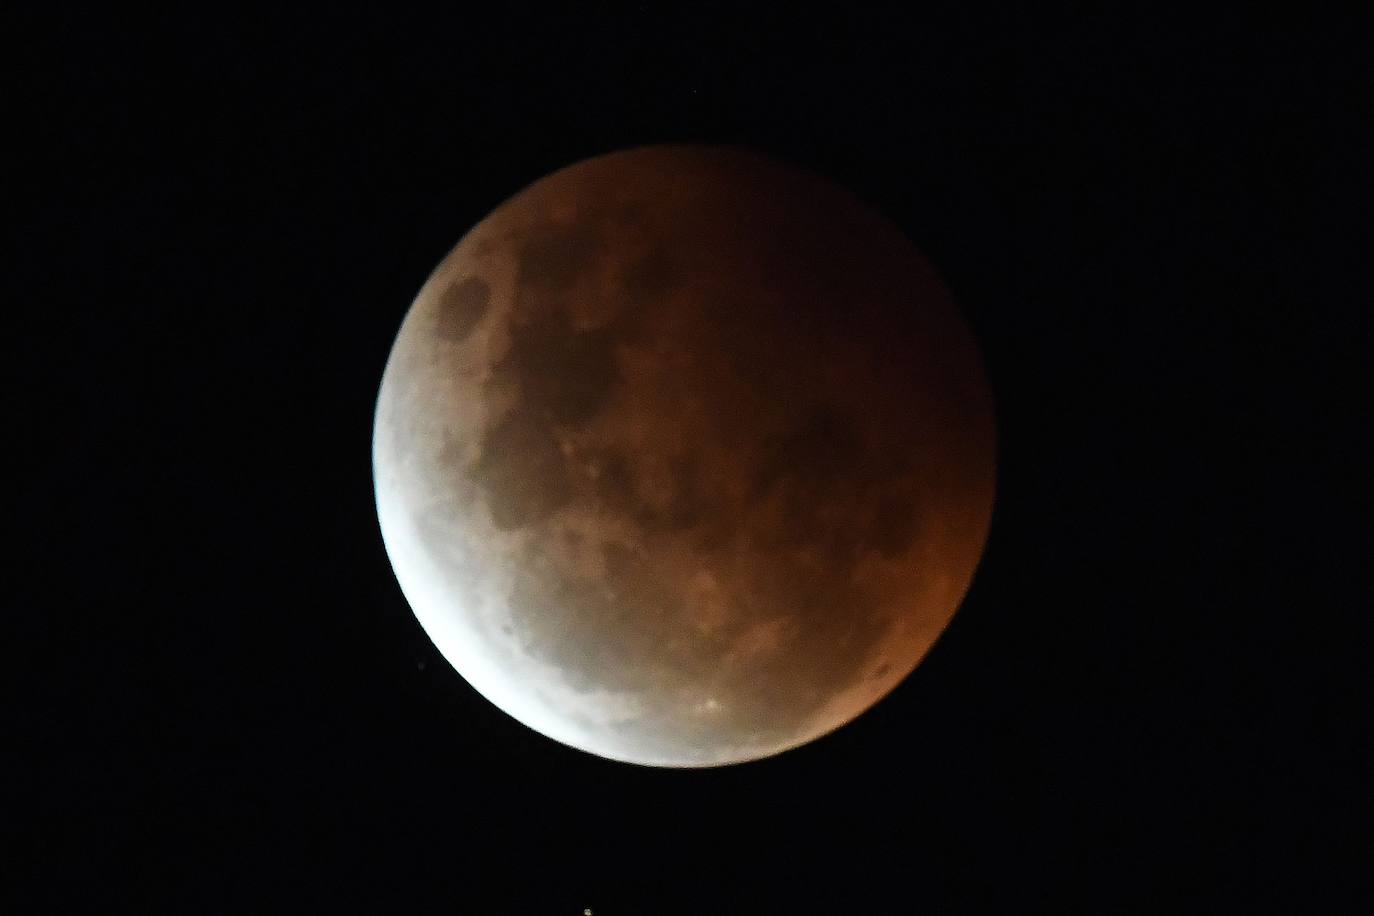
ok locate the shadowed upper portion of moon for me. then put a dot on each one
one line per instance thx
(684, 457)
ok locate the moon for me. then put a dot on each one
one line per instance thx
(684, 457)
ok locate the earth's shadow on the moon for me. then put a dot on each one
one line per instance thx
(735, 471)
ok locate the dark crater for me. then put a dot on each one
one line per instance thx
(615, 481)
(462, 305)
(894, 526)
(564, 374)
(686, 505)
(522, 471)
(651, 276)
(553, 256)
(823, 446)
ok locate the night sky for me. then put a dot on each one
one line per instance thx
(220, 701)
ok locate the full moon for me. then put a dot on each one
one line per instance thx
(684, 457)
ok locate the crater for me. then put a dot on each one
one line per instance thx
(650, 276)
(615, 480)
(894, 527)
(462, 306)
(821, 447)
(522, 471)
(554, 255)
(565, 374)
(682, 506)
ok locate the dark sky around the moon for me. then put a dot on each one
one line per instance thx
(222, 702)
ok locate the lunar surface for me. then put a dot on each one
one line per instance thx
(684, 457)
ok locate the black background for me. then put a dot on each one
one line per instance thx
(1150, 701)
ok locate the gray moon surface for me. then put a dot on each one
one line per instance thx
(684, 457)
